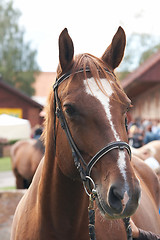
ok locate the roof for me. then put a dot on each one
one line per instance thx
(144, 77)
(43, 83)
(17, 92)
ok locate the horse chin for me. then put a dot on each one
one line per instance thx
(108, 213)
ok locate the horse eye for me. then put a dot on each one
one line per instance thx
(69, 109)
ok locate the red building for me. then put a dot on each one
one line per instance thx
(14, 102)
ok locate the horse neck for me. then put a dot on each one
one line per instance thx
(61, 196)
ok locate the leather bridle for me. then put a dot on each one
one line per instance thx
(83, 168)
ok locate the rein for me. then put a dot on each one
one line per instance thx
(84, 168)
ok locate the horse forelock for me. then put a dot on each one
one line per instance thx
(98, 70)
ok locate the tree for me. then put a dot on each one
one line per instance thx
(139, 48)
(149, 52)
(17, 59)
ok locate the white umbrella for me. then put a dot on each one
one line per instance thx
(14, 128)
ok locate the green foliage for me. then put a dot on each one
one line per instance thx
(5, 164)
(7, 188)
(17, 58)
(122, 75)
(145, 55)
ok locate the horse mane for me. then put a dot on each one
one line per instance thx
(48, 132)
(81, 61)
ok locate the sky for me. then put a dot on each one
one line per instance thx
(90, 23)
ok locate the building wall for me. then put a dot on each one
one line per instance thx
(11, 100)
(147, 105)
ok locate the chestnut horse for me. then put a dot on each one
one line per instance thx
(25, 158)
(150, 153)
(151, 149)
(85, 126)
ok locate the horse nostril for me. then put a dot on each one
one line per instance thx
(115, 198)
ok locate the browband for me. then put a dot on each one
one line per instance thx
(69, 73)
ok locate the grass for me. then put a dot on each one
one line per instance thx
(5, 164)
(7, 188)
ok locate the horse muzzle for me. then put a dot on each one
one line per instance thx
(120, 202)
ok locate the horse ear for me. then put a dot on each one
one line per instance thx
(114, 53)
(66, 50)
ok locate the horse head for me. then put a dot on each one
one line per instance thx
(91, 107)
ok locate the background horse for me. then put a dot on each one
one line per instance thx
(85, 126)
(25, 158)
(150, 153)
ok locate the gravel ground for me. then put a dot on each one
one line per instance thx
(8, 203)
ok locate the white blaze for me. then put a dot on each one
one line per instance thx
(92, 89)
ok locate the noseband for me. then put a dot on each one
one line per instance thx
(83, 168)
